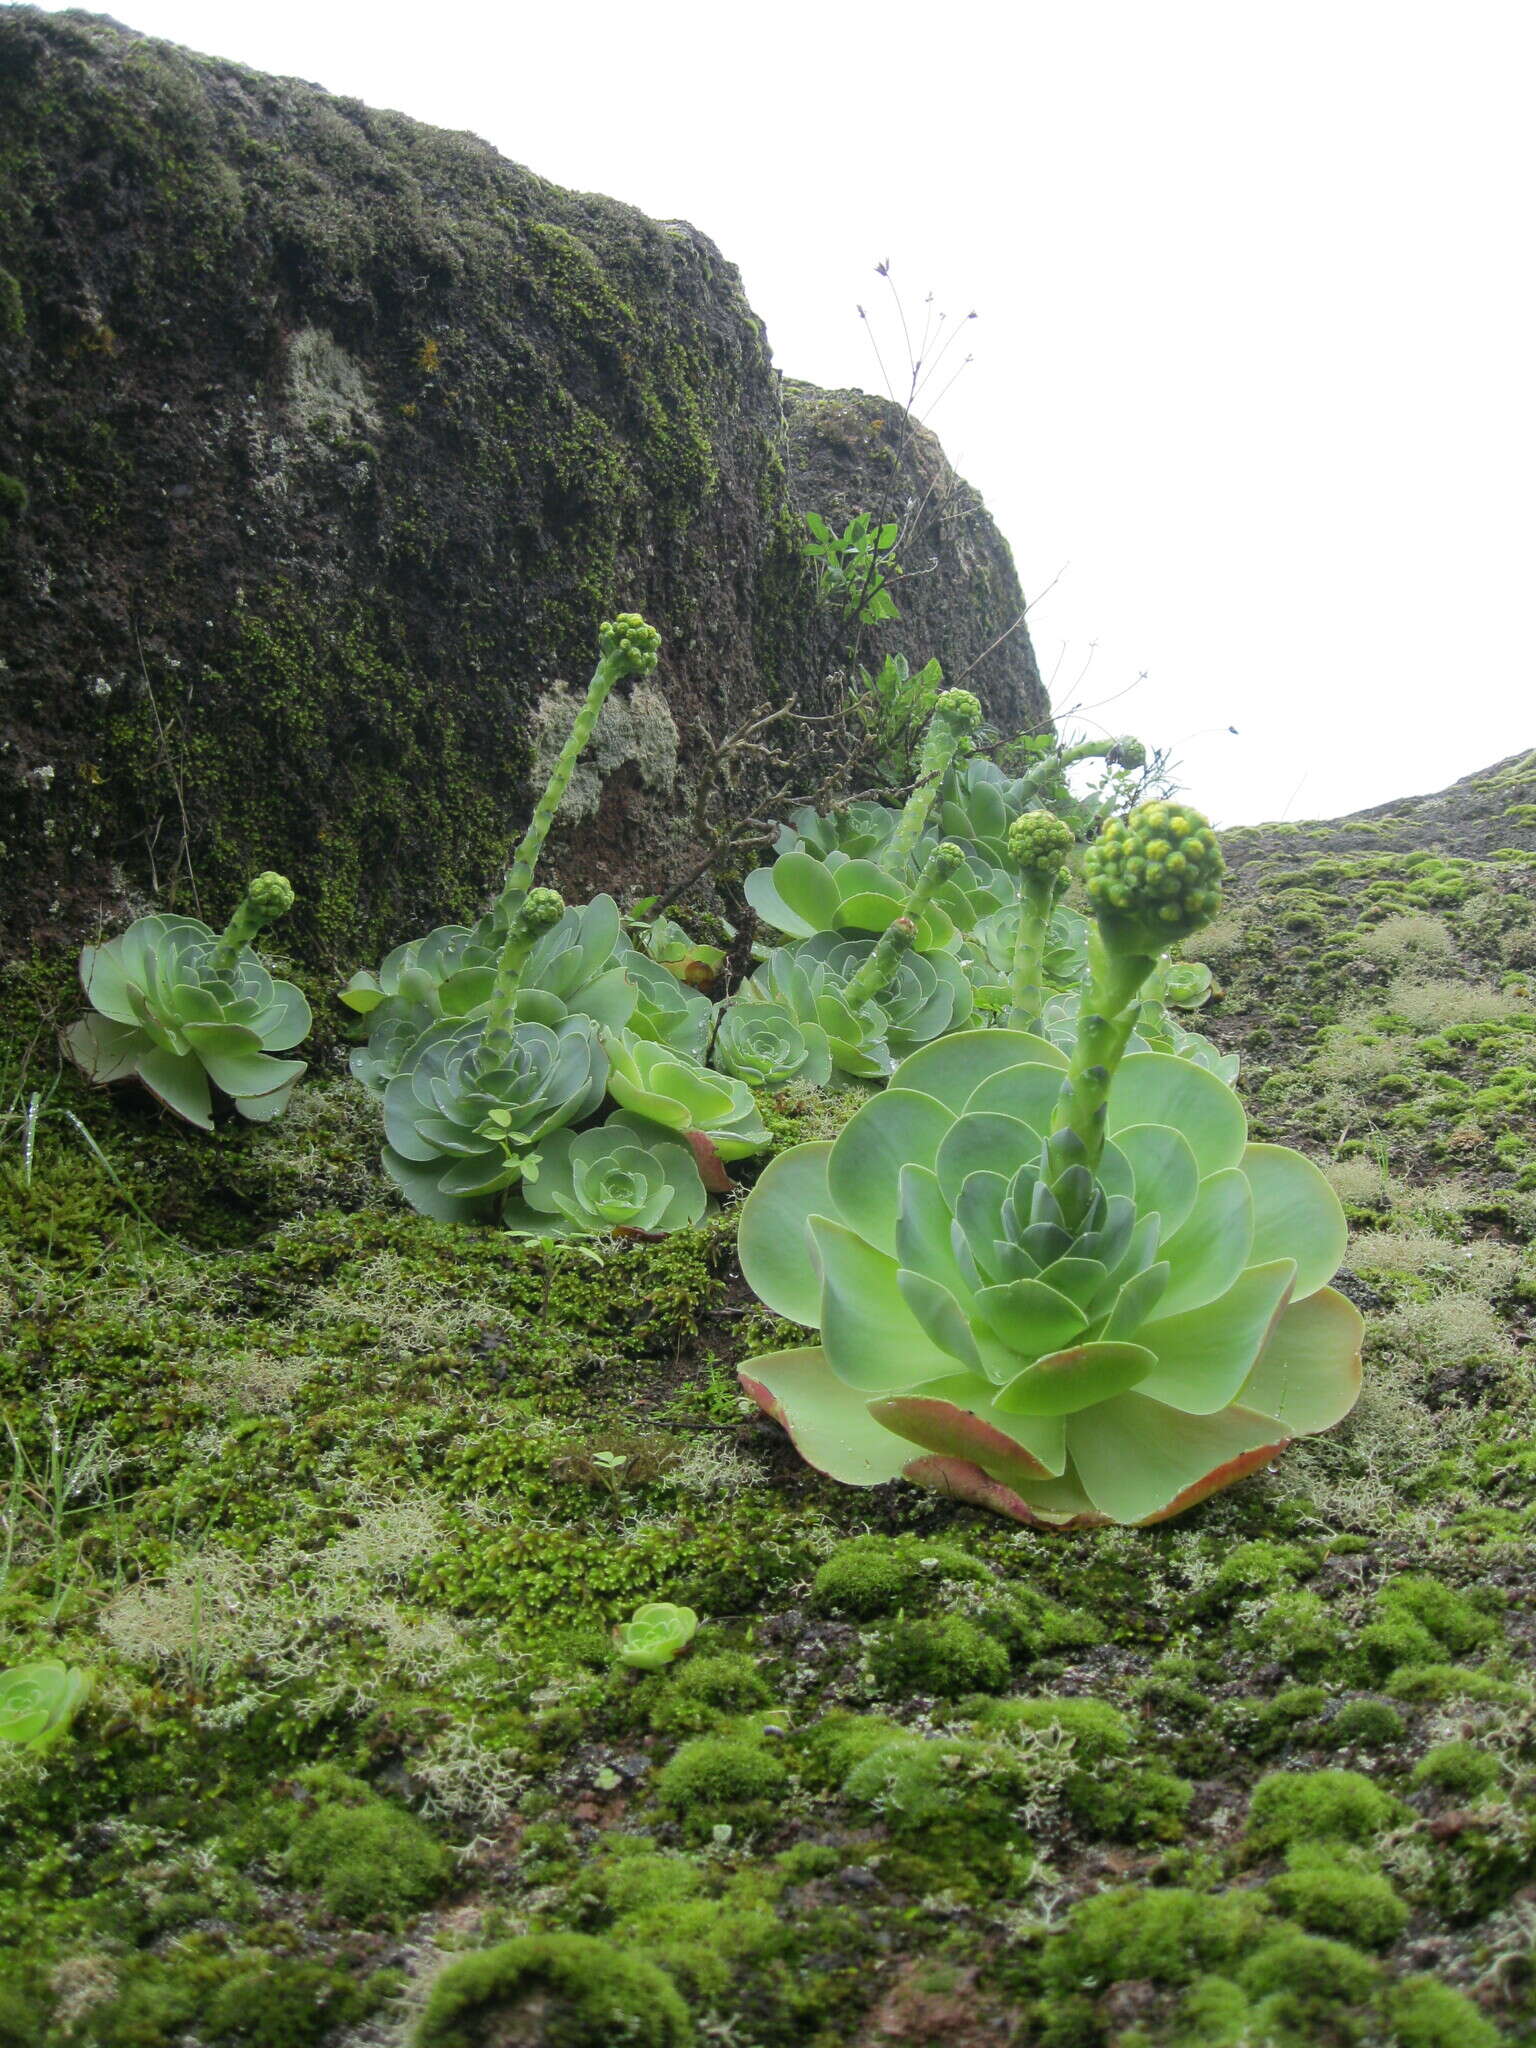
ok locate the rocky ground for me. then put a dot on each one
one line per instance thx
(341, 1505)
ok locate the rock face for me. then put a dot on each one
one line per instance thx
(326, 440)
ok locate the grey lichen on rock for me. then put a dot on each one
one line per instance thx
(328, 390)
(636, 729)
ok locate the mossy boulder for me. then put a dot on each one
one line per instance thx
(327, 440)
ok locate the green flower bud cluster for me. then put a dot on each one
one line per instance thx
(1039, 843)
(630, 640)
(542, 908)
(270, 896)
(959, 708)
(1127, 752)
(1154, 876)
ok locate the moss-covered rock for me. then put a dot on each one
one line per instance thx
(341, 434)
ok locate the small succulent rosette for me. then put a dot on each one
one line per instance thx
(766, 1046)
(178, 1006)
(656, 1634)
(713, 1111)
(39, 1701)
(466, 1112)
(1177, 1337)
(627, 1175)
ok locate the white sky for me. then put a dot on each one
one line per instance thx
(1253, 387)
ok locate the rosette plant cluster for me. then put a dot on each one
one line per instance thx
(179, 1006)
(490, 1047)
(1058, 1282)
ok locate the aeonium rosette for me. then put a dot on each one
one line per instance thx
(624, 1176)
(177, 1006)
(463, 1117)
(1061, 1285)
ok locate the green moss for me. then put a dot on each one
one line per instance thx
(1427, 1684)
(875, 1575)
(1135, 1803)
(1452, 1617)
(1328, 1896)
(917, 1782)
(1169, 1936)
(1275, 1722)
(13, 314)
(702, 1926)
(1097, 1729)
(720, 1778)
(1313, 1806)
(1306, 1975)
(369, 1861)
(245, 2001)
(1366, 1724)
(870, 1576)
(835, 1744)
(1460, 1768)
(1214, 2014)
(565, 1990)
(703, 1689)
(13, 498)
(1422, 2013)
(1382, 1646)
(1263, 1566)
(944, 1658)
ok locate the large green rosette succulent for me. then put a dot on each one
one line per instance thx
(860, 830)
(464, 1116)
(568, 963)
(178, 1006)
(816, 998)
(927, 995)
(1175, 1340)
(1059, 1282)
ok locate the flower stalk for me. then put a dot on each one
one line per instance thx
(901, 934)
(956, 716)
(627, 646)
(1038, 844)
